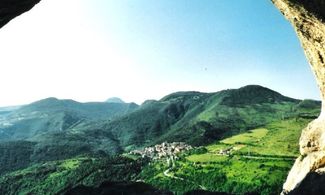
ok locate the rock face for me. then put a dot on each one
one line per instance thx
(9, 9)
(308, 20)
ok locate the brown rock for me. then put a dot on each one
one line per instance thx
(308, 20)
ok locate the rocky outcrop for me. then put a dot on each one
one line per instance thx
(9, 9)
(308, 19)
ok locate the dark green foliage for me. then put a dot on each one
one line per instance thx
(257, 163)
(201, 118)
(58, 130)
(254, 94)
(220, 176)
(308, 104)
(50, 124)
(196, 150)
(59, 176)
(308, 109)
(203, 192)
(15, 155)
(63, 129)
(134, 188)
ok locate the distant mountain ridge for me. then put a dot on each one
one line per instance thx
(53, 129)
(8, 109)
(199, 118)
(52, 115)
(115, 100)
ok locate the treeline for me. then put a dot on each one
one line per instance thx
(188, 176)
(57, 177)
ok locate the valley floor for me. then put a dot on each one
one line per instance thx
(253, 162)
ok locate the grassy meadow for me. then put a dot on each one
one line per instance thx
(256, 161)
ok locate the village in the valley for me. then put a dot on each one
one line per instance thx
(163, 150)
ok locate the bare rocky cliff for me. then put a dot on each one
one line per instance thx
(9, 9)
(308, 20)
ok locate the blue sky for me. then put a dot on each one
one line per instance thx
(211, 44)
(145, 49)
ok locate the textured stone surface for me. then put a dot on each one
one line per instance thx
(308, 20)
(9, 9)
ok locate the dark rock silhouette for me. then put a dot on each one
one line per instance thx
(112, 188)
(9, 9)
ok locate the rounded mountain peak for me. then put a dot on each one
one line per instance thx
(115, 100)
(253, 94)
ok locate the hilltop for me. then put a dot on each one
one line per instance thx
(53, 129)
(54, 140)
(115, 100)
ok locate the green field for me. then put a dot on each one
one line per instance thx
(245, 141)
(252, 136)
(258, 161)
(255, 161)
(278, 139)
(207, 157)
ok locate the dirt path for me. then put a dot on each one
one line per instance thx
(266, 158)
(257, 157)
(166, 173)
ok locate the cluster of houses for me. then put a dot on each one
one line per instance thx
(226, 151)
(164, 150)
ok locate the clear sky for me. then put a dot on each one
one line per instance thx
(90, 50)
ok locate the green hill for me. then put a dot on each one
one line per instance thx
(253, 162)
(257, 163)
(53, 115)
(201, 118)
(57, 177)
(41, 132)
(55, 129)
(64, 144)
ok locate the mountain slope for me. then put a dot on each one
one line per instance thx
(257, 163)
(41, 131)
(201, 118)
(266, 127)
(60, 129)
(7, 110)
(254, 162)
(53, 115)
(56, 177)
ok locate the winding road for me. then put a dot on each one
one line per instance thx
(166, 173)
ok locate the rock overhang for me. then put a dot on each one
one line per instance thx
(9, 9)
